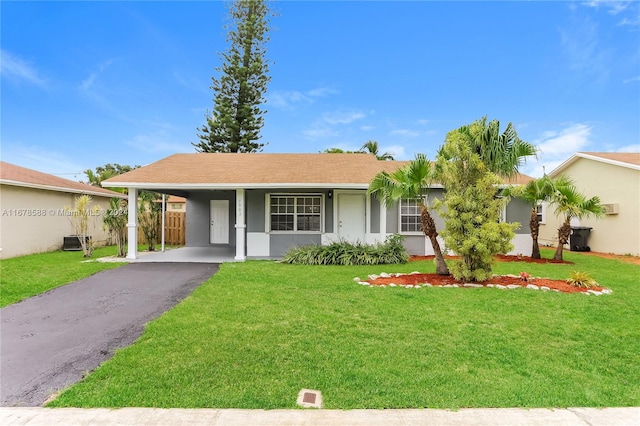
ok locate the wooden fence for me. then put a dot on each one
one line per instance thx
(174, 229)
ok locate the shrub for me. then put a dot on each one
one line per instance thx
(345, 253)
(581, 279)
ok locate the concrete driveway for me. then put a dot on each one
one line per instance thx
(50, 341)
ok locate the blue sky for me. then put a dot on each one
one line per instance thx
(90, 83)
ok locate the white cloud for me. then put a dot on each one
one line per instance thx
(342, 117)
(632, 79)
(405, 132)
(557, 146)
(320, 132)
(398, 151)
(566, 141)
(366, 128)
(613, 6)
(88, 82)
(19, 70)
(287, 99)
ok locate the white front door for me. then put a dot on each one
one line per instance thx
(219, 222)
(351, 217)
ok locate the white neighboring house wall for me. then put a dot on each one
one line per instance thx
(32, 220)
(616, 184)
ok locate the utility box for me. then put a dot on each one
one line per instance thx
(578, 241)
(72, 242)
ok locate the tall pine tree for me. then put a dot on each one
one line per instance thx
(234, 125)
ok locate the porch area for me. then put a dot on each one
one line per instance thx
(189, 255)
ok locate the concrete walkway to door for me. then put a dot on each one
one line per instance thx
(49, 341)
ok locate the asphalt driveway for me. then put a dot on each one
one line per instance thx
(50, 341)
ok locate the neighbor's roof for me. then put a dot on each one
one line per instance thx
(623, 159)
(257, 170)
(10, 174)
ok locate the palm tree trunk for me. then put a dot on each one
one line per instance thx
(429, 229)
(563, 236)
(534, 226)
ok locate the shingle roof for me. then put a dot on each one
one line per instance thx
(622, 157)
(10, 174)
(257, 170)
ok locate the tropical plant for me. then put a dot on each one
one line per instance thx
(411, 182)
(81, 215)
(115, 221)
(568, 203)
(533, 193)
(149, 216)
(581, 279)
(371, 147)
(105, 172)
(502, 153)
(345, 253)
(469, 164)
(234, 125)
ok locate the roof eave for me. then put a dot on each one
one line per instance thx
(59, 188)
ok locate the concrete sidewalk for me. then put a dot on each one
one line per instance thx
(478, 416)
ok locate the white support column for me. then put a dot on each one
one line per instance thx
(132, 224)
(383, 221)
(241, 225)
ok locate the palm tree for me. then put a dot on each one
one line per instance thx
(569, 203)
(533, 193)
(115, 220)
(502, 153)
(371, 147)
(411, 182)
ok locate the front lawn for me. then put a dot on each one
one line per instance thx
(257, 332)
(26, 276)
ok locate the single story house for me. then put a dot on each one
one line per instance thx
(615, 178)
(33, 217)
(176, 204)
(263, 204)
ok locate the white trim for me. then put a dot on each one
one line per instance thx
(212, 185)
(241, 225)
(579, 155)
(132, 224)
(400, 218)
(267, 219)
(62, 189)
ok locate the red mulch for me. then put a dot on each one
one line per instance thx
(441, 280)
(502, 258)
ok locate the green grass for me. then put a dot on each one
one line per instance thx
(26, 276)
(258, 332)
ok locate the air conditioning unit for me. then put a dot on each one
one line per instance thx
(611, 208)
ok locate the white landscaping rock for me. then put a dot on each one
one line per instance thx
(384, 275)
(533, 287)
(472, 285)
(512, 286)
(501, 287)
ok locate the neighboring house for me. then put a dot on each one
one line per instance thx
(263, 204)
(32, 208)
(174, 204)
(615, 178)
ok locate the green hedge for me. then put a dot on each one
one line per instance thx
(345, 253)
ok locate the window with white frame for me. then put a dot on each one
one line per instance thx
(541, 210)
(410, 216)
(296, 213)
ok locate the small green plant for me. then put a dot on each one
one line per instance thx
(345, 253)
(581, 279)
